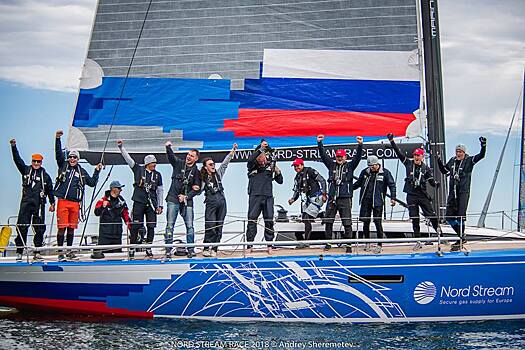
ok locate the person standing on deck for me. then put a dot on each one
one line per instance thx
(459, 169)
(374, 182)
(313, 185)
(111, 209)
(69, 189)
(185, 184)
(340, 190)
(215, 201)
(36, 186)
(147, 197)
(262, 171)
(417, 176)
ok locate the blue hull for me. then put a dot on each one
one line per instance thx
(334, 288)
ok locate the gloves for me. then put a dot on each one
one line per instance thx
(390, 136)
(483, 141)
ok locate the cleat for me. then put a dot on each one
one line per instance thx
(18, 257)
(61, 258)
(71, 256)
(418, 246)
(38, 257)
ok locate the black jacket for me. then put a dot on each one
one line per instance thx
(460, 172)
(417, 176)
(260, 177)
(375, 185)
(111, 216)
(145, 186)
(71, 181)
(182, 178)
(36, 184)
(310, 182)
(340, 176)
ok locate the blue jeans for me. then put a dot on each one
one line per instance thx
(173, 209)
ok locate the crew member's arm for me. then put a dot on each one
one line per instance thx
(442, 167)
(125, 216)
(481, 154)
(226, 161)
(399, 154)
(19, 162)
(101, 206)
(49, 192)
(125, 154)
(160, 195)
(360, 181)
(59, 154)
(391, 184)
(278, 177)
(358, 153)
(329, 163)
(430, 177)
(252, 159)
(322, 182)
(296, 192)
(91, 181)
(172, 158)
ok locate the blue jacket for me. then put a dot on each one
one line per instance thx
(377, 184)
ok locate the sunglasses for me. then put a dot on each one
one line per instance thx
(211, 164)
(36, 161)
(297, 166)
(73, 157)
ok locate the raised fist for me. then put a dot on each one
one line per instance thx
(235, 146)
(359, 139)
(390, 136)
(105, 204)
(168, 144)
(99, 166)
(483, 140)
(120, 143)
(320, 138)
(290, 201)
(12, 142)
(264, 144)
(59, 134)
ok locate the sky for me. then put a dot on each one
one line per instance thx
(43, 45)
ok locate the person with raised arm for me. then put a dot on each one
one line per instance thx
(185, 184)
(36, 186)
(459, 169)
(215, 201)
(69, 189)
(147, 198)
(340, 188)
(262, 172)
(309, 182)
(418, 174)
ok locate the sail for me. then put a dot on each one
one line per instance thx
(206, 74)
(521, 203)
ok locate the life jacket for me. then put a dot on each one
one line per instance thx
(211, 187)
(141, 181)
(185, 179)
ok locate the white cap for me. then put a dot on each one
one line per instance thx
(74, 153)
(150, 158)
(461, 147)
(371, 160)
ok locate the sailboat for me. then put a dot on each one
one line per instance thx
(205, 74)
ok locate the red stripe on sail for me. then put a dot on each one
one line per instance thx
(264, 122)
(71, 306)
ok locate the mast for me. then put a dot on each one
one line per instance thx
(521, 200)
(434, 96)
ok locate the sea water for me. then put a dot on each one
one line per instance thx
(44, 332)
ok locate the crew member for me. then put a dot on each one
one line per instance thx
(459, 169)
(185, 182)
(112, 209)
(417, 176)
(36, 186)
(313, 185)
(374, 182)
(340, 190)
(262, 171)
(147, 198)
(215, 211)
(69, 189)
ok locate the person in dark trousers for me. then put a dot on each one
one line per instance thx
(374, 182)
(185, 182)
(36, 186)
(459, 169)
(309, 182)
(69, 189)
(111, 209)
(340, 188)
(418, 174)
(262, 171)
(147, 198)
(215, 201)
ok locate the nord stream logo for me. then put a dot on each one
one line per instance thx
(424, 292)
